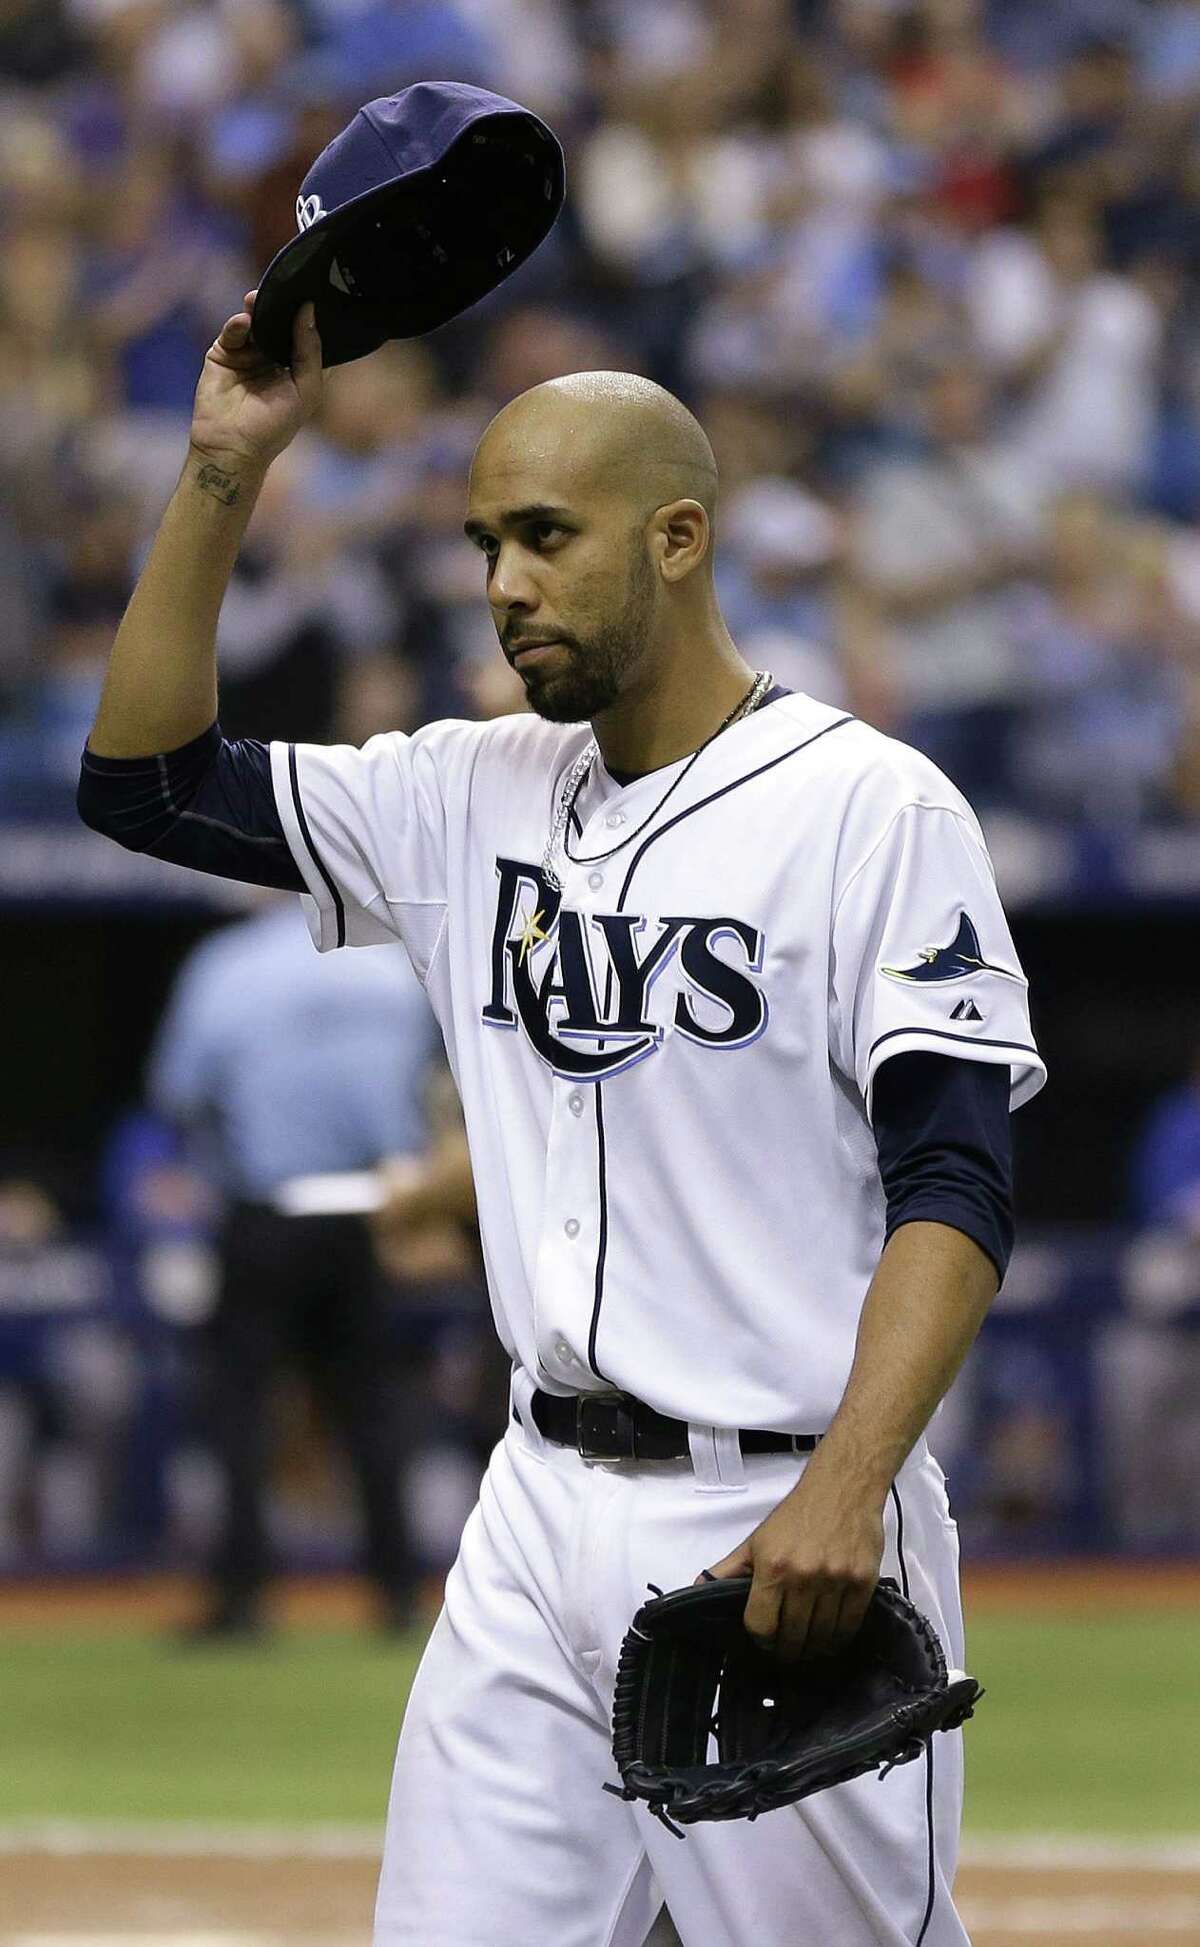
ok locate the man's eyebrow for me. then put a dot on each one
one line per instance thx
(518, 517)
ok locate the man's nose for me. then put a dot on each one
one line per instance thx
(510, 584)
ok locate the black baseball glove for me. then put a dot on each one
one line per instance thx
(688, 1670)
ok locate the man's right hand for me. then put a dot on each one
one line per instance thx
(247, 409)
(161, 688)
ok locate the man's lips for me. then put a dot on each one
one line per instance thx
(532, 652)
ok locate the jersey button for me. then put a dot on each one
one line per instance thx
(563, 1352)
(595, 880)
(572, 1226)
(575, 1102)
(614, 819)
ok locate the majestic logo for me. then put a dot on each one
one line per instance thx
(579, 984)
(965, 1011)
(308, 209)
(954, 962)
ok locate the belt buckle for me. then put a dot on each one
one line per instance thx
(604, 1427)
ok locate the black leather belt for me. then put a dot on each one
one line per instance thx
(615, 1426)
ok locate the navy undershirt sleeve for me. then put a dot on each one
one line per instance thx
(209, 805)
(945, 1147)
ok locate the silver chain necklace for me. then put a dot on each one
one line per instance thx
(556, 856)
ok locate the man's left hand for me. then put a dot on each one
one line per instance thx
(815, 1562)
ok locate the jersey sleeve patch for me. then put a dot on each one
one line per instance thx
(961, 959)
(923, 958)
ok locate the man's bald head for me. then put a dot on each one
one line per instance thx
(592, 497)
(612, 432)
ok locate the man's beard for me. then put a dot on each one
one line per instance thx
(593, 678)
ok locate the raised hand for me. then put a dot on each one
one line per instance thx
(248, 409)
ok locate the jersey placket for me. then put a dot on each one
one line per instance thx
(574, 1225)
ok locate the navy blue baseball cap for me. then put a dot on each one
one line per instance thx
(420, 207)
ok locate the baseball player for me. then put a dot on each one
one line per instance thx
(737, 1024)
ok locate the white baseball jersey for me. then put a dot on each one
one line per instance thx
(666, 1068)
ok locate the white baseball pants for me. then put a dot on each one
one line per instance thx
(498, 1832)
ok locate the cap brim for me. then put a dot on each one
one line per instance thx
(433, 225)
(298, 272)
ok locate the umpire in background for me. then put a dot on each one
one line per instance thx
(280, 1062)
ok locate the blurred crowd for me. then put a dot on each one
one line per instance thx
(924, 268)
(225, 1363)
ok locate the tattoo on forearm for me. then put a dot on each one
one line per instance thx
(222, 486)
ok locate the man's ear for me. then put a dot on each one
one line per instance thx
(681, 538)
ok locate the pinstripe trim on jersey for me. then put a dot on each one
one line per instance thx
(602, 1187)
(945, 1034)
(932, 1869)
(601, 1165)
(602, 1246)
(317, 861)
(929, 1898)
(895, 1491)
(712, 797)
